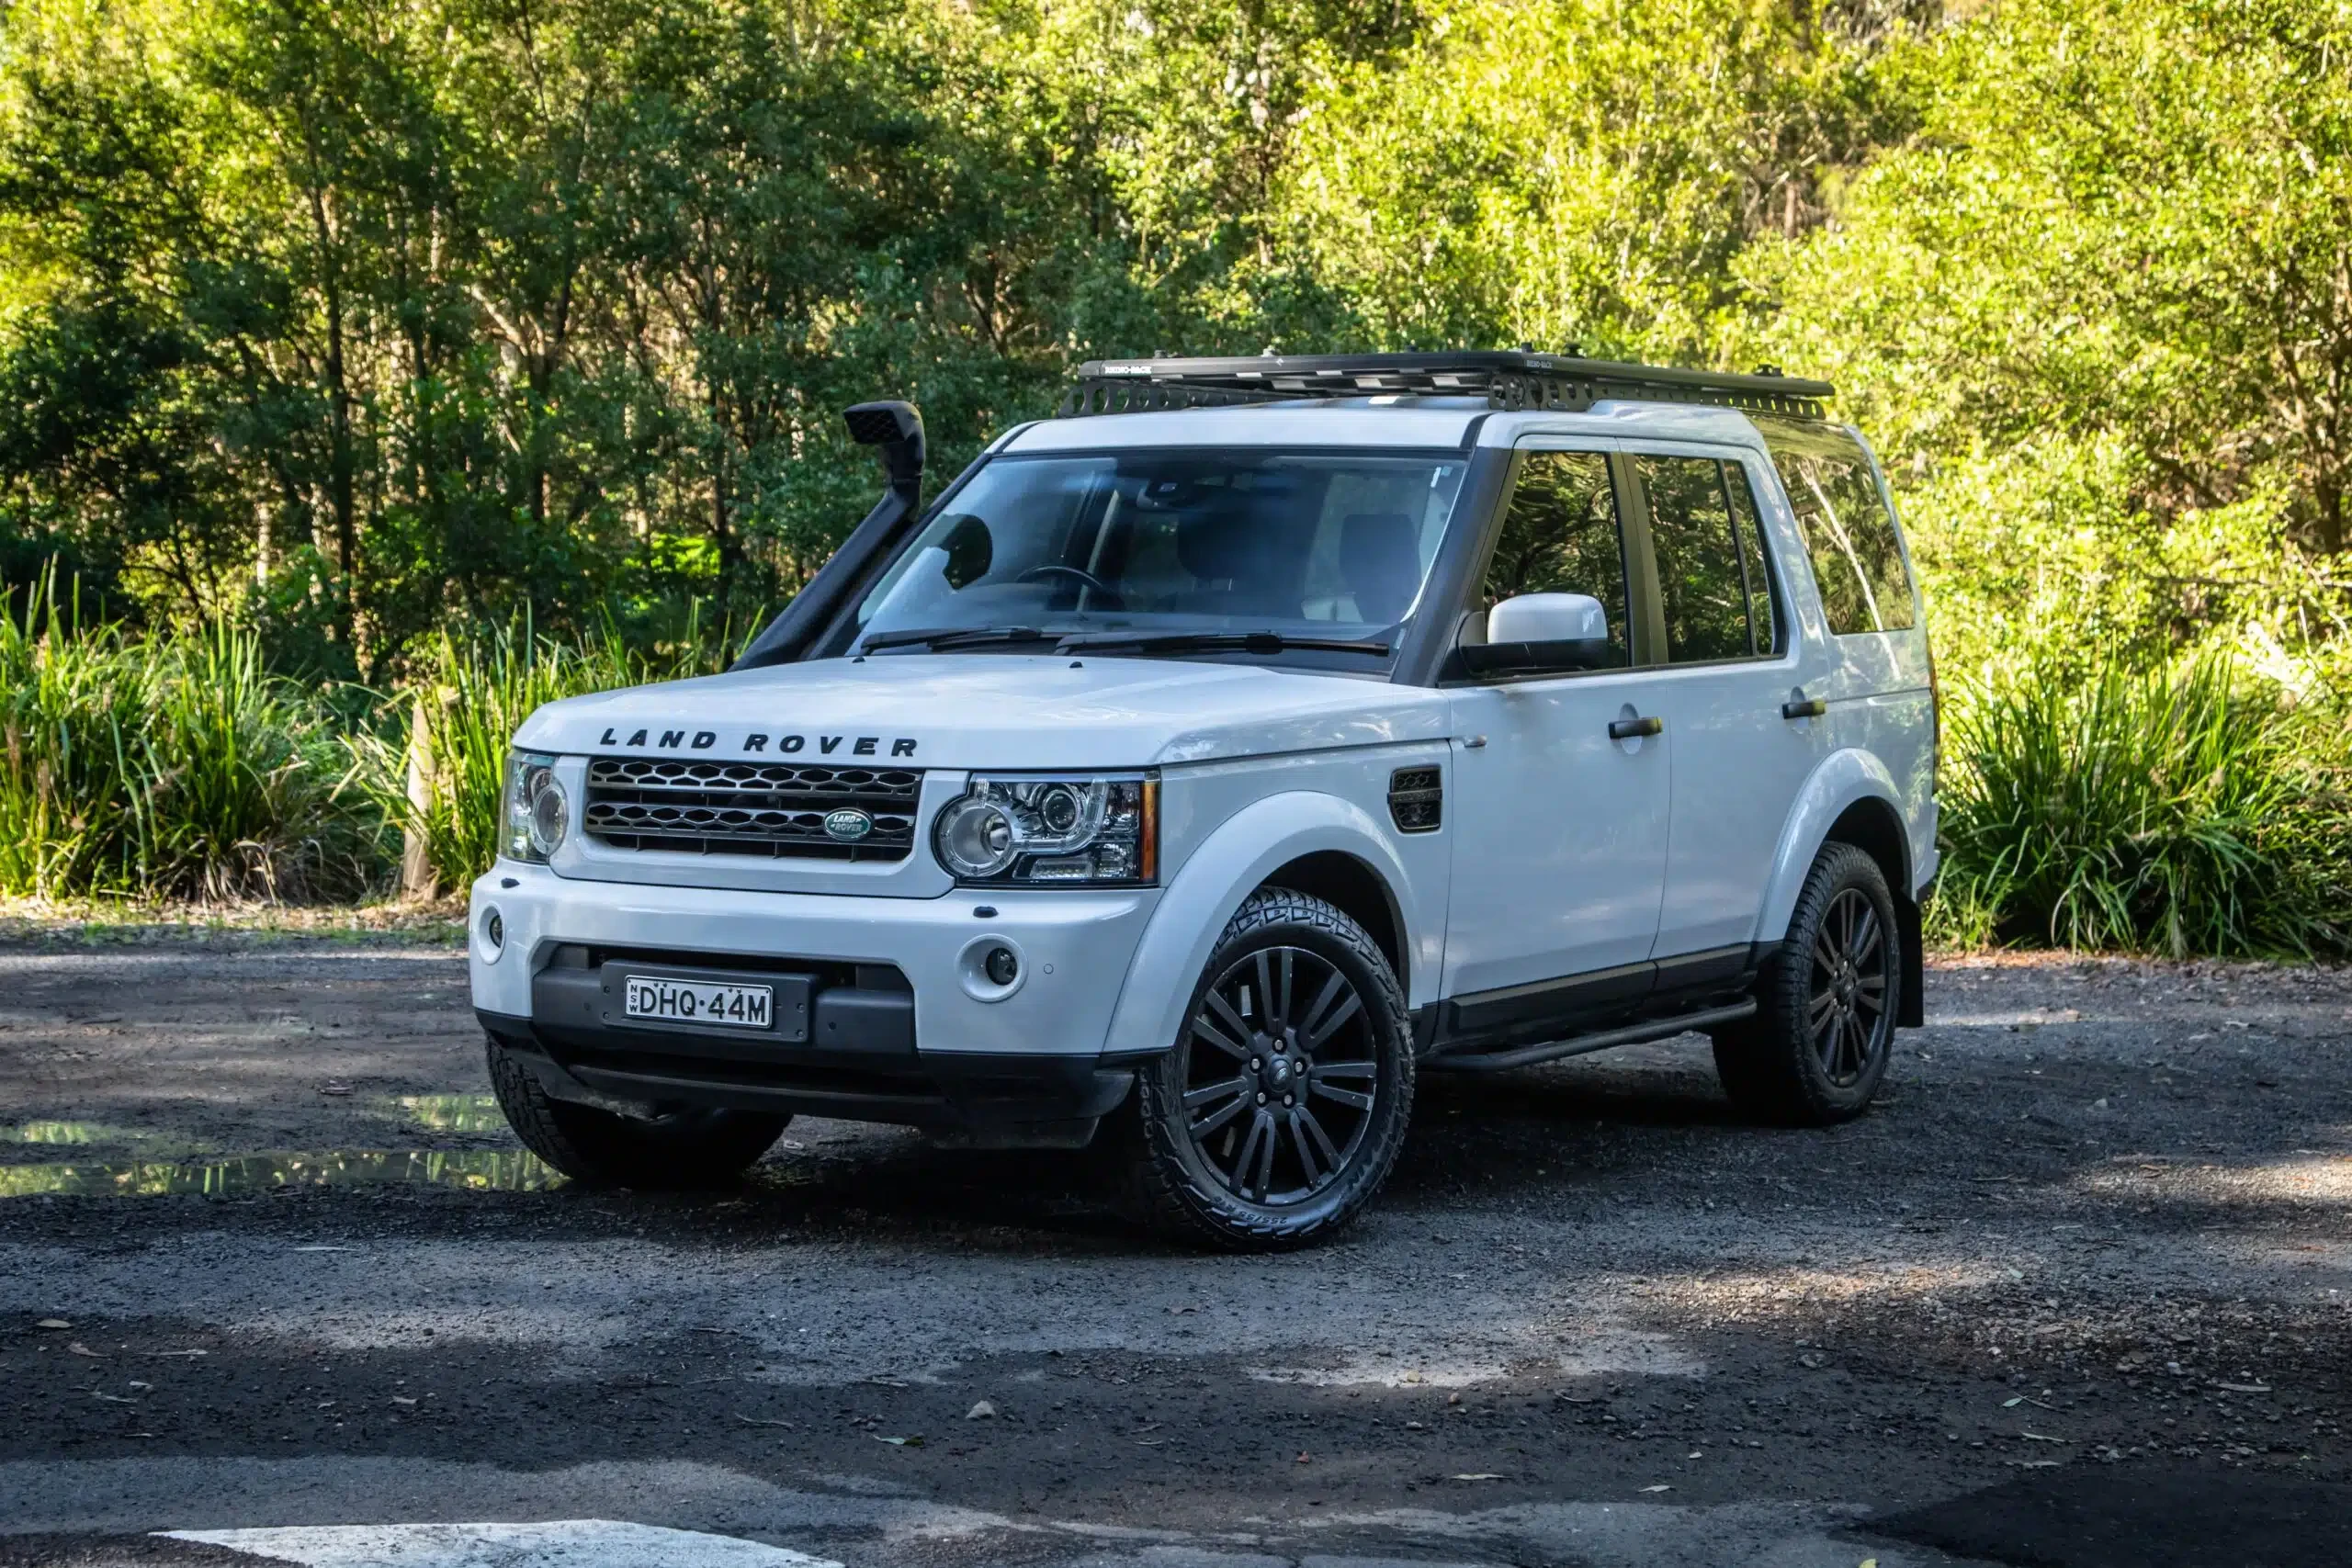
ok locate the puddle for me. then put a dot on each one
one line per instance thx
(450, 1112)
(482, 1170)
(69, 1132)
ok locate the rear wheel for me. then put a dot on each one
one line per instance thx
(1818, 1046)
(1279, 1114)
(685, 1148)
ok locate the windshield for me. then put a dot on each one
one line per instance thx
(1307, 545)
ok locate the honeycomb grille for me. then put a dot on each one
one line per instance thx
(774, 810)
(1417, 799)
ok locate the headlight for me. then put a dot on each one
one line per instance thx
(539, 813)
(1040, 832)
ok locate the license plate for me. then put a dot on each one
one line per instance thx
(694, 1001)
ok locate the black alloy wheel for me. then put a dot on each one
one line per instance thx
(1823, 1033)
(1847, 1012)
(1279, 1111)
(1280, 1100)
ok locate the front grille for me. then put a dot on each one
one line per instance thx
(775, 810)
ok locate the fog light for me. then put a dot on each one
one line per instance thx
(990, 968)
(492, 927)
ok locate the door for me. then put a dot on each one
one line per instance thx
(1874, 665)
(1740, 757)
(1559, 831)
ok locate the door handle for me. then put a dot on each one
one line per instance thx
(1632, 728)
(1811, 707)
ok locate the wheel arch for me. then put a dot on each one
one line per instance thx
(1349, 883)
(1310, 842)
(1851, 798)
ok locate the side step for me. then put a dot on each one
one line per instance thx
(1552, 1051)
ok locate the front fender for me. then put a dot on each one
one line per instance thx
(1226, 869)
(1843, 778)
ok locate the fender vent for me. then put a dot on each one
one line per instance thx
(1416, 799)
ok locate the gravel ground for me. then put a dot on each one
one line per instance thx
(2078, 1292)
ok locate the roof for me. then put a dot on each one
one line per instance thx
(1352, 422)
(1498, 378)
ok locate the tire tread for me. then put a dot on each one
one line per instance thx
(1172, 1201)
(1760, 1061)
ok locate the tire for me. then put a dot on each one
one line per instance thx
(1283, 1153)
(1818, 1048)
(600, 1148)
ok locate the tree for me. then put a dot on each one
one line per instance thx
(1582, 172)
(2098, 313)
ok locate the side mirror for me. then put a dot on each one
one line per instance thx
(1548, 617)
(1539, 632)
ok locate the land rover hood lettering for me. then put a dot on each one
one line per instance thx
(754, 741)
(938, 713)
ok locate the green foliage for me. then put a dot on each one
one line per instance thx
(171, 765)
(2097, 315)
(452, 734)
(71, 712)
(393, 315)
(1578, 173)
(242, 791)
(2177, 811)
(366, 326)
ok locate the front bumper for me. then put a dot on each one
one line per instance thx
(904, 1024)
(983, 1100)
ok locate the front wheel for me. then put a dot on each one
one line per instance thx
(684, 1148)
(1277, 1116)
(1818, 1045)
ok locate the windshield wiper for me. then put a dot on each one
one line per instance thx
(1219, 642)
(939, 638)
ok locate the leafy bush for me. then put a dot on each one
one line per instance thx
(469, 696)
(170, 764)
(2179, 811)
(71, 710)
(244, 787)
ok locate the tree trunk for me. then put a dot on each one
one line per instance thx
(719, 533)
(417, 878)
(340, 496)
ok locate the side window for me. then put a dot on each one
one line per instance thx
(1702, 573)
(1755, 566)
(1849, 532)
(1560, 535)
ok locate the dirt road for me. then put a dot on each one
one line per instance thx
(2079, 1293)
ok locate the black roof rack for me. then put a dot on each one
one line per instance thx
(1507, 379)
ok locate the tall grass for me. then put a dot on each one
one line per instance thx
(247, 788)
(2177, 811)
(71, 710)
(2185, 810)
(175, 764)
(468, 697)
(172, 764)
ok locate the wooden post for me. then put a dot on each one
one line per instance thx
(417, 880)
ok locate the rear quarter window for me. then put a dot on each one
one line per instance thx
(1849, 532)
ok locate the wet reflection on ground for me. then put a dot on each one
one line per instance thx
(487, 1171)
(449, 1112)
(68, 1133)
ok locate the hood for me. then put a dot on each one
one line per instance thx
(981, 711)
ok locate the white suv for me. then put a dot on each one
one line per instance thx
(1205, 764)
